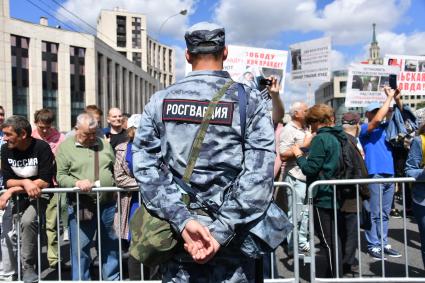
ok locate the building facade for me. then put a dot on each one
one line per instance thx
(43, 66)
(126, 32)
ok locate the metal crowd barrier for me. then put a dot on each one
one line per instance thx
(361, 277)
(97, 191)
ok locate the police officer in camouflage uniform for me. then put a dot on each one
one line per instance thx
(168, 127)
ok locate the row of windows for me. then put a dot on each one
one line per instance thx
(20, 82)
(121, 31)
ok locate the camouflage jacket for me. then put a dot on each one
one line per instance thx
(168, 127)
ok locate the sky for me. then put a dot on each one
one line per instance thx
(274, 24)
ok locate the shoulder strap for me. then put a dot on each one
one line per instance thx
(196, 146)
(242, 111)
(423, 150)
(96, 163)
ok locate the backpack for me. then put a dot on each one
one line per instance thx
(351, 164)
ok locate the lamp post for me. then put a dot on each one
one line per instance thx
(182, 12)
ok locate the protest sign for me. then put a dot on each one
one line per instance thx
(311, 60)
(249, 64)
(365, 84)
(411, 78)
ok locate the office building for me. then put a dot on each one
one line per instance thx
(43, 66)
(126, 32)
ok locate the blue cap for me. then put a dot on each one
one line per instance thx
(205, 38)
(373, 106)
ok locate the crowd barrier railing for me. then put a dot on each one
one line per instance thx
(361, 278)
(119, 192)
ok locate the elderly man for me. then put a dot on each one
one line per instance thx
(28, 166)
(215, 252)
(86, 161)
(348, 197)
(295, 133)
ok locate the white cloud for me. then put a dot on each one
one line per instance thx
(338, 60)
(404, 44)
(347, 21)
(180, 62)
(156, 11)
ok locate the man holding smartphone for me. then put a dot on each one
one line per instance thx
(379, 163)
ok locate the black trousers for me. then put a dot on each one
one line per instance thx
(324, 227)
(348, 232)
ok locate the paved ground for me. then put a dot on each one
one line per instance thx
(394, 267)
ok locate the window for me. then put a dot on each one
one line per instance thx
(78, 81)
(50, 75)
(136, 32)
(121, 31)
(20, 82)
(137, 58)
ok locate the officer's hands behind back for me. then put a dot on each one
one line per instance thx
(199, 242)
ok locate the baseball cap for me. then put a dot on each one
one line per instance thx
(205, 38)
(373, 106)
(134, 121)
(350, 118)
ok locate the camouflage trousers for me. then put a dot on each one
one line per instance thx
(226, 266)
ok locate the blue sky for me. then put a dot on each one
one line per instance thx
(267, 24)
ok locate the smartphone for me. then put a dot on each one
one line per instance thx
(264, 81)
(393, 81)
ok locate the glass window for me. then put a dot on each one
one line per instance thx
(24, 42)
(54, 48)
(81, 52)
(24, 63)
(54, 67)
(13, 40)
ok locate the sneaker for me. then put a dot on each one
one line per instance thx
(9, 278)
(63, 266)
(29, 276)
(350, 268)
(65, 235)
(376, 253)
(391, 252)
(395, 213)
(304, 248)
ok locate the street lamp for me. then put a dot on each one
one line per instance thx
(182, 12)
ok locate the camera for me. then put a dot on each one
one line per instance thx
(393, 81)
(264, 82)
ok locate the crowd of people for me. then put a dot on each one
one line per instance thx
(130, 153)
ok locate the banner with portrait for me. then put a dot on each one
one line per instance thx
(310, 60)
(411, 76)
(366, 82)
(249, 65)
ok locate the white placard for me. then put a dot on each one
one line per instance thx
(411, 77)
(365, 84)
(310, 60)
(248, 64)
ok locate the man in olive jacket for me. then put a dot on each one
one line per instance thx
(77, 159)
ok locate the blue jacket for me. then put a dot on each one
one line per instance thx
(167, 130)
(402, 125)
(415, 169)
